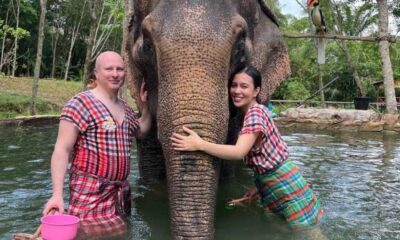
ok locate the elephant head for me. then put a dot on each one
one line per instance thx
(185, 51)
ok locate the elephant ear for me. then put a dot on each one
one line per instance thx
(134, 76)
(269, 54)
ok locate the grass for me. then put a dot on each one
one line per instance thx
(13, 105)
(15, 96)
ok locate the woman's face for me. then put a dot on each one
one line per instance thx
(243, 92)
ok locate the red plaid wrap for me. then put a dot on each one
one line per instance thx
(272, 150)
(94, 197)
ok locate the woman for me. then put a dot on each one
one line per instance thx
(278, 182)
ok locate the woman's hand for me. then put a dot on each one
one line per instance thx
(251, 194)
(191, 142)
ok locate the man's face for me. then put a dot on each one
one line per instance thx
(110, 71)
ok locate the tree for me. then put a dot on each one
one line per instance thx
(16, 8)
(128, 6)
(35, 82)
(352, 22)
(101, 27)
(74, 35)
(56, 22)
(387, 72)
(11, 33)
(90, 42)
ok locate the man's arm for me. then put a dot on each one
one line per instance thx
(144, 123)
(145, 118)
(67, 136)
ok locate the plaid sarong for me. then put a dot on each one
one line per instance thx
(99, 202)
(286, 193)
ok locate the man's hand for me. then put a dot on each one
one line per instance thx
(56, 203)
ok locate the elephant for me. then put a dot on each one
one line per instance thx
(185, 52)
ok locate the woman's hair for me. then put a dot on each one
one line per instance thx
(91, 83)
(250, 71)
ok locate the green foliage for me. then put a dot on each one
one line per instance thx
(14, 32)
(395, 58)
(20, 33)
(292, 89)
(278, 108)
(357, 18)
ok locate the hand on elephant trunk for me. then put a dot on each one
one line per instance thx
(143, 95)
(191, 142)
(145, 117)
(194, 142)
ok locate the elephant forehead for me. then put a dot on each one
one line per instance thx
(204, 20)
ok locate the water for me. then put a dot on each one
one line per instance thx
(355, 176)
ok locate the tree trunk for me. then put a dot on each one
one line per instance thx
(321, 85)
(89, 48)
(387, 71)
(39, 51)
(128, 15)
(54, 48)
(74, 35)
(356, 76)
(102, 36)
(3, 44)
(125, 35)
(69, 58)
(14, 66)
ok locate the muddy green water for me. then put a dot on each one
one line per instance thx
(355, 175)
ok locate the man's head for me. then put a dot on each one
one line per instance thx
(109, 71)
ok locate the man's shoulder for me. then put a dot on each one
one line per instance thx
(81, 98)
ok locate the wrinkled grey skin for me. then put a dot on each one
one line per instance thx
(185, 52)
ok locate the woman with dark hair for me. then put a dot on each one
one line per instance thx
(279, 184)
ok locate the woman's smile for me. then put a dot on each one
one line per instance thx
(243, 92)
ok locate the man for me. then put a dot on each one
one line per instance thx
(98, 127)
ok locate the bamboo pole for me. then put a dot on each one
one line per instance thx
(389, 38)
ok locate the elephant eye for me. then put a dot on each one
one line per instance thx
(147, 45)
(240, 46)
(239, 53)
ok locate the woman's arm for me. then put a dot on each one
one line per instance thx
(194, 142)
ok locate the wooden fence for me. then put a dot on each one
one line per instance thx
(282, 105)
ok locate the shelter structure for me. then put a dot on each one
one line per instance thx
(380, 99)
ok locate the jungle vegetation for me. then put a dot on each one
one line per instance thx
(62, 45)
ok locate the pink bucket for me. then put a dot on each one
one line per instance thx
(59, 227)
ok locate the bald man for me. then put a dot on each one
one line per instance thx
(98, 127)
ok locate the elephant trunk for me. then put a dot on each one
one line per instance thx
(192, 181)
(192, 176)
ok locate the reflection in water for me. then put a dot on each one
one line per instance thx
(355, 175)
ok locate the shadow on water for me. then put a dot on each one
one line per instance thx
(355, 176)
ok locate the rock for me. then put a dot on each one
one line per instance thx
(390, 118)
(341, 119)
(331, 114)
